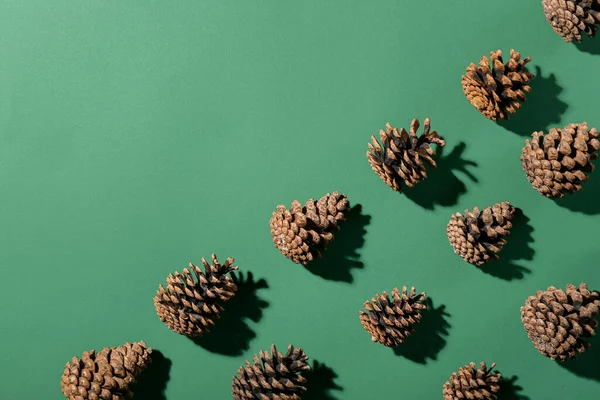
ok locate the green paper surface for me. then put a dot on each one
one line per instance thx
(139, 136)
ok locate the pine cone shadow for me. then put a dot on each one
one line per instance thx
(509, 390)
(429, 337)
(320, 380)
(442, 187)
(231, 335)
(589, 45)
(586, 200)
(518, 247)
(586, 364)
(152, 383)
(541, 109)
(341, 256)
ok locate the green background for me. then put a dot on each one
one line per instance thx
(138, 136)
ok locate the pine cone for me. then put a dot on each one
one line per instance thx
(559, 323)
(302, 233)
(571, 18)
(478, 236)
(106, 375)
(496, 90)
(193, 300)
(471, 382)
(390, 323)
(556, 164)
(401, 156)
(272, 377)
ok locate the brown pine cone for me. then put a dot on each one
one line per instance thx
(571, 18)
(303, 233)
(559, 323)
(497, 89)
(106, 375)
(478, 236)
(401, 157)
(471, 382)
(391, 322)
(193, 300)
(557, 164)
(272, 376)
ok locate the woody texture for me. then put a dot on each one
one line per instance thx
(107, 374)
(391, 321)
(302, 233)
(471, 382)
(193, 299)
(558, 163)
(478, 236)
(272, 376)
(497, 89)
(559, 323)
(402, 157)
(571, 19)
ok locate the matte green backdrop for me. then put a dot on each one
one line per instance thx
(138, 136)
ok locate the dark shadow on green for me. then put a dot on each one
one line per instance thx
(231, 335)
(589, 45)
(509, 390)
(442, 187)
(320, 381)
(586, 365)
(542, 108)
(586, 201)
(429, 337)
(152, 383)
(341, 256)
(518, 247)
